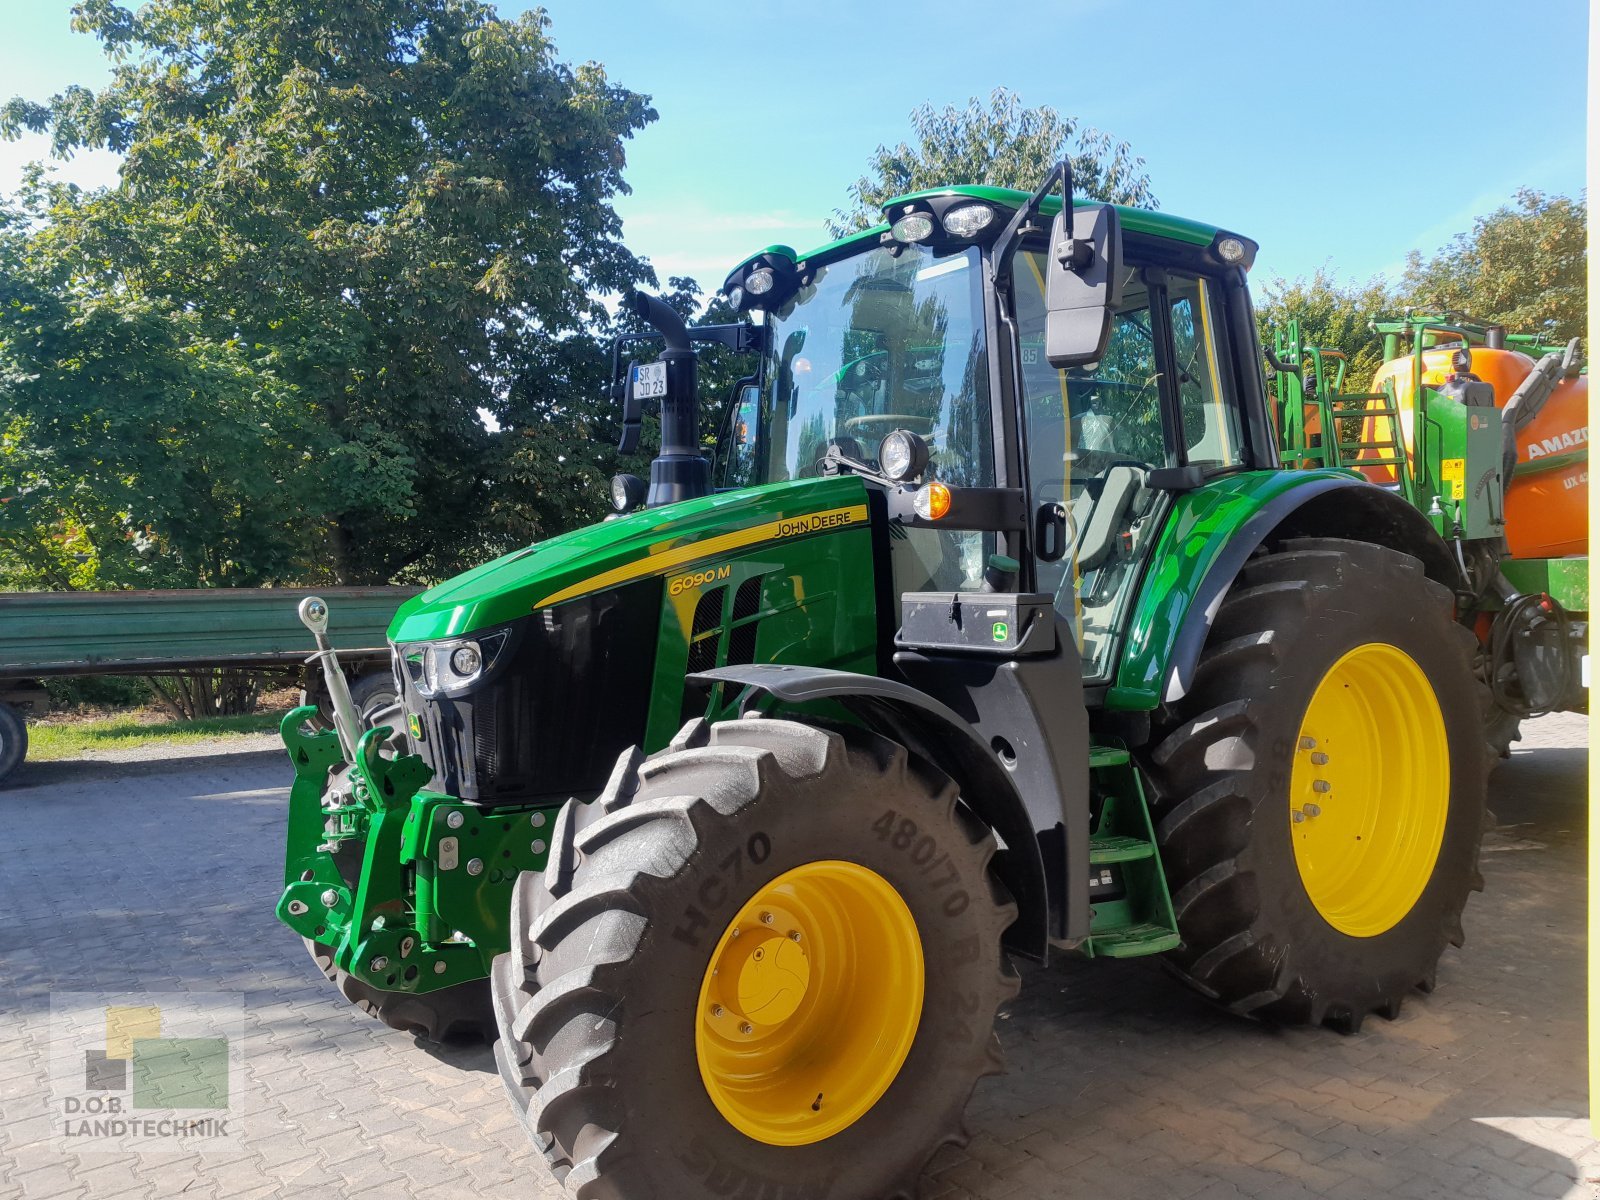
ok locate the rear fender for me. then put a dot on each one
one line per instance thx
(1207, 538)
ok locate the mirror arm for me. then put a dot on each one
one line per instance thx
(1004, 250)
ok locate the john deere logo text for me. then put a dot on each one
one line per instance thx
(814, 523)
(683, 583)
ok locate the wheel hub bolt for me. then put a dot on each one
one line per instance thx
(716, 1010)
(1308, 743)
(766, 918)
(1321, 785)
(794, 935)
(1319, 758)
(746, 1028)
(1312, 810)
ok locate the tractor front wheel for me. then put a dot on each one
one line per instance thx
(1321, 787)
(764, 962)
(459, 1013)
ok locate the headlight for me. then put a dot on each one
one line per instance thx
(452, 665)
(736, 297)
(968, 220)
(759, 283)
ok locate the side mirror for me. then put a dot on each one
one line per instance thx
(1084, 284)
(632, 413)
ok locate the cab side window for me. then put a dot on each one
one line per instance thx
(1207, 397)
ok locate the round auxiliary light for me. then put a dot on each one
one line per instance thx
(736, 297)
(627, 492)
(759, 283)
(913, 227)
(932, 501)
(968, 220)
(1230, 250)
(465, 660)
(902, 455)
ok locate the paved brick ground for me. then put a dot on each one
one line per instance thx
(142, 877)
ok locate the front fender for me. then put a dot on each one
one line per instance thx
(935, 732)
(1208, 536)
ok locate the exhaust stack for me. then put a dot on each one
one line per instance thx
(679, 471)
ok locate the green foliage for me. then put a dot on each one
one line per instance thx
(1002, 144)
(1522, 266)
(1333, 315)
(345, 236)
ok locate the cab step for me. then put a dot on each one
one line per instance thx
(1131, 910)
(1115, 848)
(1136, 941)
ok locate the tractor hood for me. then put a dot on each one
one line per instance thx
(651, 542)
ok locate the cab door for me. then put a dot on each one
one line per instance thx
(1108, 440)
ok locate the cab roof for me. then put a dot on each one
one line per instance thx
(1138, 220)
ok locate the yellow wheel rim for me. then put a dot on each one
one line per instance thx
(810, 1003)
(1369, 790)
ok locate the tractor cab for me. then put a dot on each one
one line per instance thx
(931, 329)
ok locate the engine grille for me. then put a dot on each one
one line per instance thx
(568, 693)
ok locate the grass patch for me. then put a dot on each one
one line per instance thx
(71, 739)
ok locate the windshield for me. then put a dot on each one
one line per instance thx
(878, 342)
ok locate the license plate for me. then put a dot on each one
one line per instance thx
(650, 380)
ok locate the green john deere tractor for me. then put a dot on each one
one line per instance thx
(995, 629)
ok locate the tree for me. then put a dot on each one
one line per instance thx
(1332, 315)
(1522, 266)
(1003, 144)
(560, 452)
(283, 339)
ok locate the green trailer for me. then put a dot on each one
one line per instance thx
(995, 628)
(49, 634)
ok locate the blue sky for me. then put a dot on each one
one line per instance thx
(1338, 135)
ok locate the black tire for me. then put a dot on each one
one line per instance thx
(596, 1000)
(1502, 729)
(1252, 938)
(13, 740)
(459, 1013)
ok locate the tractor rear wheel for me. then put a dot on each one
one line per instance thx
(459, 1013)
(1321, 787)
(763, 962)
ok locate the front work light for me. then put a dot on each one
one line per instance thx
(968, 220)
(902, 455)
(913, 227)
(736, 297)
(1230, 250)
(759, 283)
